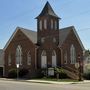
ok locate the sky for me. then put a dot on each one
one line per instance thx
(22, 13)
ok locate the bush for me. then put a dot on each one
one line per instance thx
(61, 73)
(87, 75)
(44, 71)
(12, 73)
(23, 72)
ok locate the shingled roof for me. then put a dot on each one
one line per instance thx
(32, 35)
(47, 10)
(64, 32)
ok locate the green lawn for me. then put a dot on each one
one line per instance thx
(58, 80)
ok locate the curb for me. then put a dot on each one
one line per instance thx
(43, 82)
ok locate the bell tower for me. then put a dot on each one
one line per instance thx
(47, 25)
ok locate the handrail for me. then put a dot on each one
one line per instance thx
(70, 69)
(72, 75)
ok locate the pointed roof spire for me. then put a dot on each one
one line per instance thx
(47, 10)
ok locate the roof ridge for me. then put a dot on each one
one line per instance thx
(21, 28)
(67, 27)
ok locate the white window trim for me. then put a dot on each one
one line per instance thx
(9, 59)
(42, 39)
(45, 24)
(54, 60)
(19, 55)
(40, 24)
(43, 59)
(54, 40)
(29, 58)
(51, 24)
(65, 57)
(72, 54)
(55, 25)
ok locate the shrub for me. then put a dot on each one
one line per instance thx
(86, 75)
(60, 73)
(43, 72)
(23, 72)
(12, 73)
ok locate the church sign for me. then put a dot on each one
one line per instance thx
(50, 71)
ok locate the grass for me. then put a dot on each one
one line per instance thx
(58, 80)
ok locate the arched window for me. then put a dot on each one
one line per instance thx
(54, 62)
(42, 40)
(43, 59)
(40, 24)
(55, 25)
(73, 54)
(51, 24)
(9, 59)
(65, 57)
(19, 55)
(54, 40)
(45, 24)
(29, 58)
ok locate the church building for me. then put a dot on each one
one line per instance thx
(50, 46)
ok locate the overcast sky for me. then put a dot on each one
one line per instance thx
(22, 13)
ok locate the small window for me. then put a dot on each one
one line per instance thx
(54, 62)
(73, 54)
(51, 24)
(55, 25)
(43, 59)
(42, 40)
(9, 59)
(43, 53)
(40, 25)
(54, 40)
(65, 57)
(19, 55)
(45, 24)
(28, 58)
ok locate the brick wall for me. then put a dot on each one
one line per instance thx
(27, 45)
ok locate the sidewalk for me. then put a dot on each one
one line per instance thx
(43, 81)
(56, 82)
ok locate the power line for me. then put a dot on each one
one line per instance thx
(79, 14)
(83, 29)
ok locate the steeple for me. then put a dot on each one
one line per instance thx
(47, 10)
(47, 25)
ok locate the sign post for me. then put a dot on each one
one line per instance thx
(17, 71)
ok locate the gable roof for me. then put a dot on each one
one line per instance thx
(32, 35)
(47, 10)
(64, 32)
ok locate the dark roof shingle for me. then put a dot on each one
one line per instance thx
(32, 35)
(63, 33)
(47, 10)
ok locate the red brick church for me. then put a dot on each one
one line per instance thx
(50, 46)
